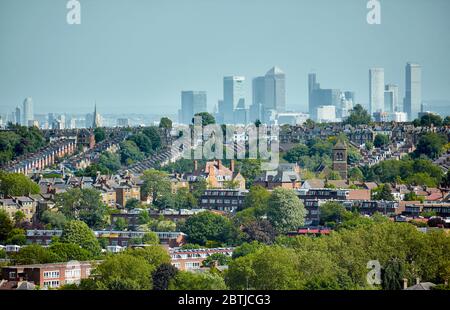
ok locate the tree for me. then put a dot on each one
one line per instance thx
(446, 121)
(430, 119)
(162, 276)
(381, 140)
(208, 226)
(6, 225)
(34, 254)
(129, 152)
(295, 154)
(156, 186)
(150, 238)
(69, 251)
(431, 145)
(109, 161)
(333, 212)
(383, 192)
(143, 142)
(100, 134)
(16, 184)
(207, 119)
(84, 205)
(358, 116)
(155, 255)
(79, 233)
(216, 258)
(259, 230)
(165, 123)
(355, 174)
(286, 211)
(132, 204)
(369, 145)
(125, 272)
(120, 224)
(185, 280)
(185, 199)
(257, 198)
(392, 275)
(16, 236)
(55, 220)
(250, 169)
(153, 134)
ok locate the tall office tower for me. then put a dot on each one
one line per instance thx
(241, 114)
(376, 90)
(192, 102)
(413, 96)
(28, 114)
(391, 98)
(312, 86)
(220, 112)
(18, 116)
(321, 97)
(258, 94)
(51, 120)
(233, 95)
(258, 90)
(275, 90)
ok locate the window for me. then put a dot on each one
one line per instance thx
(51, 274)
(192, 265)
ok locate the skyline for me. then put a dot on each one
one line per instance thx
(109, 60)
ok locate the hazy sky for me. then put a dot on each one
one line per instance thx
(137, 55)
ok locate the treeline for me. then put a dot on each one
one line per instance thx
(19, 140)
(136, 147)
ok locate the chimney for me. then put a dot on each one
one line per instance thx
(405, 284)
(232, 165)
(417, 280)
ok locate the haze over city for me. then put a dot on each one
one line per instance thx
(142, 56)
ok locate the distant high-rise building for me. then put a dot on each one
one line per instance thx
(376, 90)
(123, 122)
(413, 95)
(233, 95)
(258, 90)
(18, 116)
(326, 114)
(192, 102)
(275, 90)
(321, 97)
(391, 98)
(28, 114)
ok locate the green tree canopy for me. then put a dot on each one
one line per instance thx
(286, 211)
(79, 233)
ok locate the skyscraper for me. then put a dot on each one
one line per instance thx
(275, 90)
(258, 94)
(18, 116)
(376, 90)
(413, 96)
(28, 114)
(321, 97)
(192, 102)
(233, 95)
(391, 98)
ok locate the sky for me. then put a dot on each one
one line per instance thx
(138, 55)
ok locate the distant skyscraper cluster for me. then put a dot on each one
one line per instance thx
(328, 105)
(269, 100)
(384, 99)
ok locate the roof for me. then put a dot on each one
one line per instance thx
(359, 194)
(275, 71)
(424, 286)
